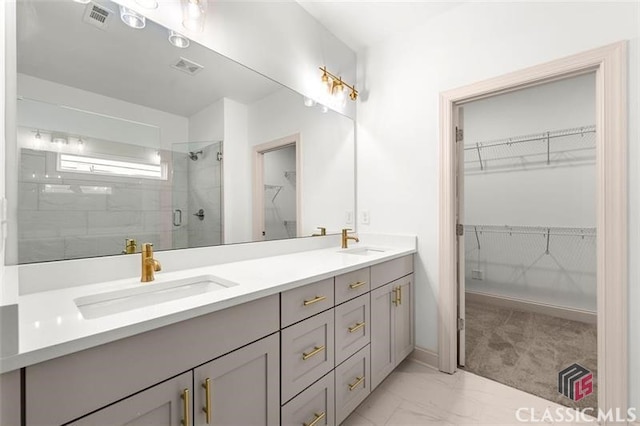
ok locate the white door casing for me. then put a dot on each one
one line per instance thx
(610, 65)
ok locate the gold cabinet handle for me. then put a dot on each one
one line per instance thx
(314, 300)
(315, 351)
(357, 284)
(319, 416)
(356, 383)
(395, 296)
(399, 295)
(207, 400)
(356, 327)
(185, 406)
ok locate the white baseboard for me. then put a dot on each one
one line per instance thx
(424, 356)
(539, 308)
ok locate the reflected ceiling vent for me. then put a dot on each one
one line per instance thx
(98, 16)
(187, 66)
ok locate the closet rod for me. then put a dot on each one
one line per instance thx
(540, 137)
(544, 231)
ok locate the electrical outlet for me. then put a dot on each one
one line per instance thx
(477, 274)
(348, 217)
(364, 217)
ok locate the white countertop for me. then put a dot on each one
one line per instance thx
(50, 324)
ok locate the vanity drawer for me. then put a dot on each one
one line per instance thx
(352, 327)
(316, 402)
(386, 272)
(307, 353)
(302, 302)
(352, 383)
(352, 284)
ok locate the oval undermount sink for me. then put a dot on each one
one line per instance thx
(109, 303)
(364, 251)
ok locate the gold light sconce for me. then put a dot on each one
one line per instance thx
(335, 84)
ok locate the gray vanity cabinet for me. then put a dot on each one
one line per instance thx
(392, 337)
(161, 405)
(240, 388)
(314, 406)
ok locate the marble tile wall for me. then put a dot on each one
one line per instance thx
(57, 220)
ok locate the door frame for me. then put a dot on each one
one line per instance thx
(257, 155)
(610, 66)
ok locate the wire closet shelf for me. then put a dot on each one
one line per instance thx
(545, 231)
(545, 147)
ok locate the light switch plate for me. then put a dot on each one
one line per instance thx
(364, 217)
(348, 217)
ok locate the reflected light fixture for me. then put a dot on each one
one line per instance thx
(193, 14)
(148, 4)
(83, 1)
(132, 18)
(336, 86)
(308, 102)
(38, 135)
(178, 40)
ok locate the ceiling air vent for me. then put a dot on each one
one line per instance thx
(98, 16)
(187, 66)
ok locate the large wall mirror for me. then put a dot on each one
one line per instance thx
(122, 134)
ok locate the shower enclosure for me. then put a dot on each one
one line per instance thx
(197, 217)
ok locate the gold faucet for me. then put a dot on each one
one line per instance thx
(149, 264)
(130, 246)
(346, 237)
(323, 232)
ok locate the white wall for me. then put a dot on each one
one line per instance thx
(236, 173)
(276, 38)
(3, 223)
(398, 119)
(517, 187)
(207, 124)
(328, 157)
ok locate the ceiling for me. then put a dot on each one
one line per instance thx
(363, 23)
(56, 44)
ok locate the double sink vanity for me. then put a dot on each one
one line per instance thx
(297, 338)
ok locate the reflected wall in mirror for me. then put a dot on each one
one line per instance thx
(122, 135)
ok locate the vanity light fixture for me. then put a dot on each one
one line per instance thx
(308, 102)
(336, 86)
(38, 135)
(148, 4)
(178, 40)
(83, 1)
(59, 140)
(132, 18)
(193, 14)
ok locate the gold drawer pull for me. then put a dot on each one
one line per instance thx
(357, 383)
(314, 300)
(357, 284)
(207, 403)
(356, 327)
(399, 295)
(315, 351)
(319, 416)
(185, 407)
(395, 296)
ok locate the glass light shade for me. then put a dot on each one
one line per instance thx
(148, 4)
(132, 18)
(178, 40)
(193, 14)
(83, 1)
(308, 102)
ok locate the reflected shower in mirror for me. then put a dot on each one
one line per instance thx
(121, 135)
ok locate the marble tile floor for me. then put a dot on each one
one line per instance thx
(415, 394)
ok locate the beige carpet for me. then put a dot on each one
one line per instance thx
(526, 351)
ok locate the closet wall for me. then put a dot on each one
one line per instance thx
(530, 203)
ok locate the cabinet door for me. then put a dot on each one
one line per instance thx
(382, 324)
(403, 313)
(352, 327)
(352, 383)
(161, 405)
(243, 386)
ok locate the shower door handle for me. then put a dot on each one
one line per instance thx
(177, 217)
(199, 214)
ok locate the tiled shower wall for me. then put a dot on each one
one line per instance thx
(72, 224)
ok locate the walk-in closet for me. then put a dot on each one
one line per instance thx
(528, 181)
